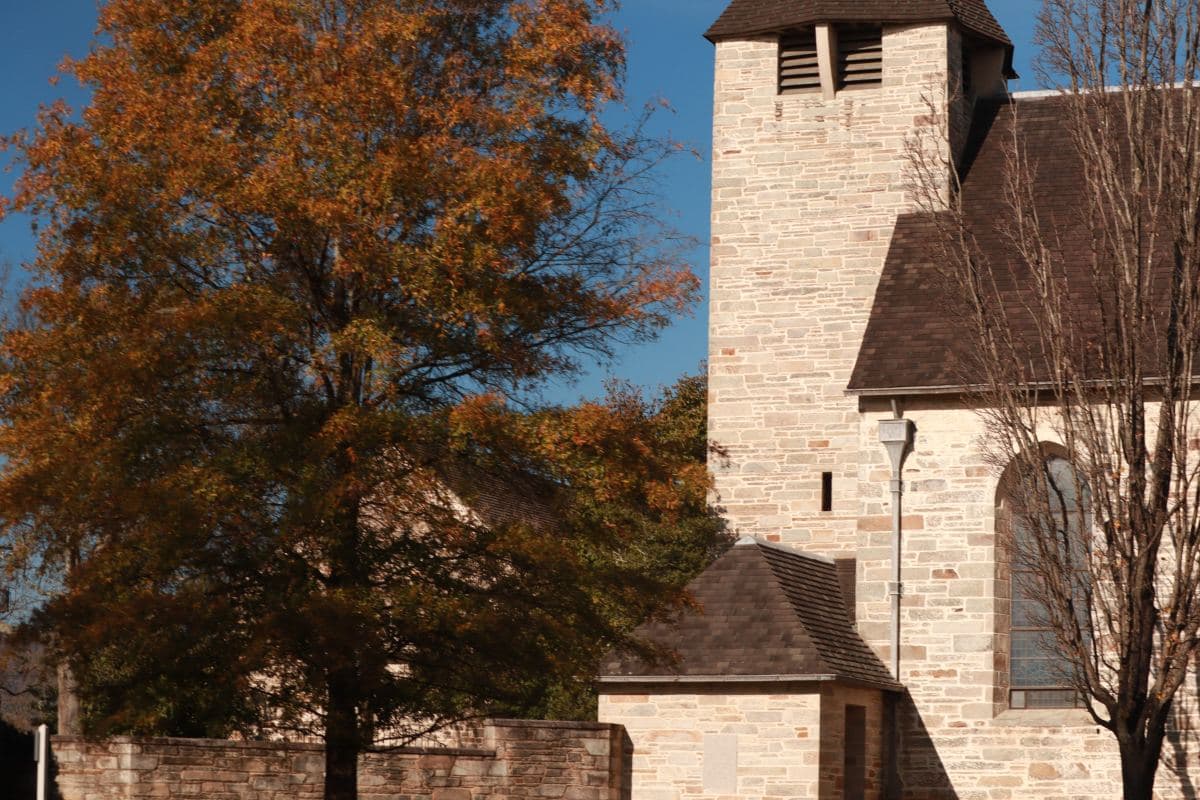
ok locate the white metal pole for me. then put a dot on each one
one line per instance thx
(896, 590)
(41, 754)
(896, 435)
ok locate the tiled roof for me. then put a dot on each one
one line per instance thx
(913, 339)
(499, 494)
(508, 499)
(763, 611)
(751, 17)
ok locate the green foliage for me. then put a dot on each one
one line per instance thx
(182, 667)
(27, 692)
(647, 481)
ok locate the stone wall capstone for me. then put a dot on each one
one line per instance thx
(520, 759)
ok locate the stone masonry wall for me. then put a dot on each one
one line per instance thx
(805, 196)
(775, 741)
(572, 761)
(961, 739)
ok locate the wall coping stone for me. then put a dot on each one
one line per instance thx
(269, 744)
(318, 747)
(555, 724)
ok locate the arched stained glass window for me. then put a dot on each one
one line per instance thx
(1039, 673)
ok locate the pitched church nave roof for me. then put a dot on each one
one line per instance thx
(914, 339)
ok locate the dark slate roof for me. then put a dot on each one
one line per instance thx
(499, 493)
(913, 339)
(508, 499)
(752, 17)
(763, 611)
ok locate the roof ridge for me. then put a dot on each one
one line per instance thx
(825, 616)
(783, 548)
(1041, 94)
(760, 17)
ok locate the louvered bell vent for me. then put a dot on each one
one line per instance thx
(798, 67)
(860, 55)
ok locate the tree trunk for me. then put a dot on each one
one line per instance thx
(342, 740)
(343, 731)
(68, 703)
(69, 713)
(1139, 766)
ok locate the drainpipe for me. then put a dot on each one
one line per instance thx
(896, 435)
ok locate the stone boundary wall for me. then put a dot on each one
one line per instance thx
(518, 759)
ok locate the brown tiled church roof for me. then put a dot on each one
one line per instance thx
(765, 612)
(751, 17)
(913, 340)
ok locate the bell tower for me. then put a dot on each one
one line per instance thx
(816, 106)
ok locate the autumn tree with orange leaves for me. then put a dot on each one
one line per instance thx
(294, 255)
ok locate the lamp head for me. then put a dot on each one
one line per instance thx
(897, 436)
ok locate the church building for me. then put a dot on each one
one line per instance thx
(809, 668)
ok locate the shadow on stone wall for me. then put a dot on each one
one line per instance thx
(922, 774)
(52, 792)
(1182, 748)
(626, 766)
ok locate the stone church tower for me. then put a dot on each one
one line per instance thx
(809, 175)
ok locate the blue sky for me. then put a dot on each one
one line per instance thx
(668, 59)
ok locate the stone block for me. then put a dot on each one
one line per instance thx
(452, 794)
(596, 747)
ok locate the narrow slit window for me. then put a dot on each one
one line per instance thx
(827, 491)
(799, 70)
(860, 56)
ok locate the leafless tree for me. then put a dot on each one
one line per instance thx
(1081, 325)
